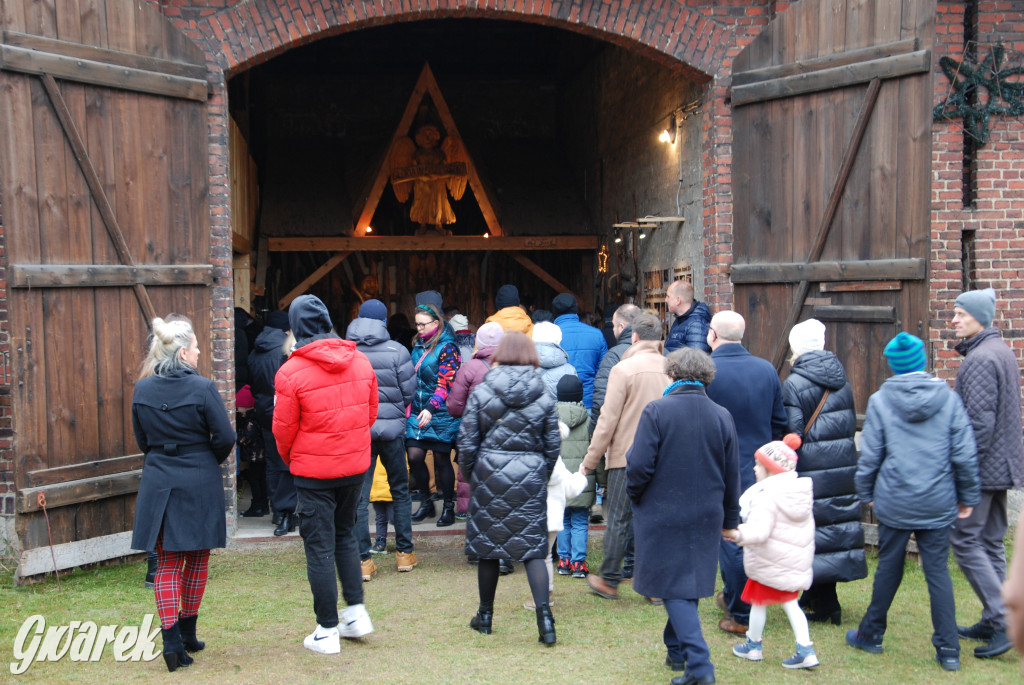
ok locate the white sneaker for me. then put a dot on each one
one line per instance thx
(323, 640)
(355, 622)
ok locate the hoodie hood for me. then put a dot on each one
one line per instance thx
(367, 331)
(333, 355)
(915, 397)
(572, 413)
(822, 368)
(269, 339)
(551, 355)
(516, 386)
(308, 318)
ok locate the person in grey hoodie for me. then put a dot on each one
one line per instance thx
(918, 472)
(396, 384)
(988, 381)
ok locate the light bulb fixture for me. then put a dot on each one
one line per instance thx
(487, 235)
(643, 234)
(618, 239)
(369, 229)
(669, 134)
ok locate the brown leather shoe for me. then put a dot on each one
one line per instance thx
(600, 587)
(720, 603)
(731, 626)
(368, 568)
(406, 561)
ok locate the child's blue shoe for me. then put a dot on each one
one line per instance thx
(854, 639)
(804, 657)
(749, 650)
(949, 659)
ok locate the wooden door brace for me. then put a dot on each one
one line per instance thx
(830, 212)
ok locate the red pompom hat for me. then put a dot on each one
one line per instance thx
(779, 456)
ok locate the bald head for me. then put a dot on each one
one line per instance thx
(726, 327)
(623, 317)
(679, 297)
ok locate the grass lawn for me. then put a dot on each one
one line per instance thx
(258, 608)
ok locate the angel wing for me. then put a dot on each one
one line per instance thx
(454, 151)
(402, 155)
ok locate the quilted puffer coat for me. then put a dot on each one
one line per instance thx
(828, 457)
(778, 536)
(508, 445)
(989, 384)
(690, 329)
(554, 363)
(396, 380)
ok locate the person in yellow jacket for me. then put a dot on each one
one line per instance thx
(510, 316)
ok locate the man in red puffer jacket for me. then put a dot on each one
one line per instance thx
(325, 402)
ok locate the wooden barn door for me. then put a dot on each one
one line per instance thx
(832, 173)
(104, 190)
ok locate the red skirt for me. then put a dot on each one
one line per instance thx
(756, 593)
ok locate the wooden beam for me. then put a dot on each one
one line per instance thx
(240, 244)
(96, 275)
(830, 79)
(90, 469)
(436, 243)
(817, 272)
(861, 286)
(870, 98)
(313, 278)
(72, 554)
(855, 313)
(543, 275)
(811, 65)
(77, 491)
(95, 54)
(99, 196)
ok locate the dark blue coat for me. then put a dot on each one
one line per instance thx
(585, 346)
(264, 361)
(182, 426)
(690, 329)
(682, 475)
(828, 456)
(749, 388)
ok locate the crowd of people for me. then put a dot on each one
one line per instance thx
(530, 420)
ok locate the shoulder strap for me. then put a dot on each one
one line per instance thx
(807, 427)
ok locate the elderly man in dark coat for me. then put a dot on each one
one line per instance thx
(695, 461)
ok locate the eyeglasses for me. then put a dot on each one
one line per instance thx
(424, 325)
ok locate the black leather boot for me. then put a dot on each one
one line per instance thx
(187, 627)
(447, 517)
(545, 625)
(287, 524)
(482, 621)
(152, 561)
(426, 509)
(175, 655)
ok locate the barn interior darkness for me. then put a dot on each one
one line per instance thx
(561, 127)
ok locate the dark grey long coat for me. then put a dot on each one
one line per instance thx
(182, 426)
(682, 475)
(508, 445)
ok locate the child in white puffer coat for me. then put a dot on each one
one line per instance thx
(778, 547)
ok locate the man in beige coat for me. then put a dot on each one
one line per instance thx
(636, 380)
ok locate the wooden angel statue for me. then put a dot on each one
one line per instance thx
(429, 168)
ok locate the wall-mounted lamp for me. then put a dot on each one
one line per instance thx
(369, 229)
(669, 134)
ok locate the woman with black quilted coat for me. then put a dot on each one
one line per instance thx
(828, 457)
(508, 445)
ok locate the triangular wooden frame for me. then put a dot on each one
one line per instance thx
(426, 84)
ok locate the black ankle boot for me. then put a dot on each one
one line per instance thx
(152, 561)
(545, 625)
(426, 509)
(175, 655)
(287, 524)
(187, 627)
(482, 621)
(447, 514)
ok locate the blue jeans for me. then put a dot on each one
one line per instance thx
(572, 539)
(684, 638)
(730, 562)
(392, 456)
(933, 546)
(327, 519)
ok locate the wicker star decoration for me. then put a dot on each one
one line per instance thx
(980, 91)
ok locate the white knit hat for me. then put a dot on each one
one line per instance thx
(547, 332)
(807, 336)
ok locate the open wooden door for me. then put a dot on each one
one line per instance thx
(105, 196)
(832, 178)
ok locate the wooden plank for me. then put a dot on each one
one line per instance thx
(69, 48)
(103, 275)
(859, 286)
(98, 194)
(71, 554)
(100, 74)
(433, 243)
(240, 244)
(543, 275)
(850, 312)
(89, 469)
(322, 271)
(830, 79)
(77, 491)
(866, 270)
(814, 64)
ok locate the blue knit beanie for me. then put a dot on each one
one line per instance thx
(374, 309)
(905, 354)
(981, 304)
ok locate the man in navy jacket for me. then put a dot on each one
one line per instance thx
(585, 344)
